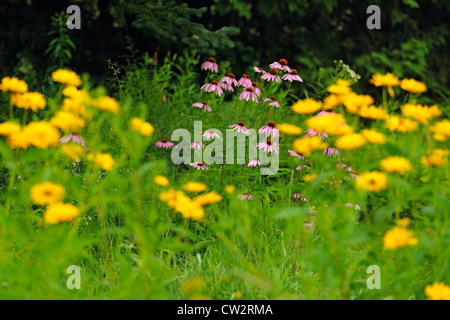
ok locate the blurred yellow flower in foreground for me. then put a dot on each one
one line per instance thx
(208, 198)
(144, 128)
(60, 212)
(372, 112)
(350, 141)
(396, 123)
(8, 128)
(395, 164)
(306, 106)
(398, 237)
(306, 145)
(47, 192)
(72, 150)
(194, 186)
(440, 129)
(42, 134)
(102, 160)
(67, 77)
(373, 136)
(29, 100)
(13, 85)
(373, 181)
(161, 181)
(289, 129)
(67, 121)
(413, 86)
(437, 291)
(421, 113)
(229, 189)
(310, 177)
(340, 87)
(437, 158)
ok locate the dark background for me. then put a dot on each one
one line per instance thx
(413, 41)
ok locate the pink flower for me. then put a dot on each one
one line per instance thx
(199, 165)
(202, 105)
(259, 70)
(197, 144)
(213, 86)
(311, 132)
(269, 129)
(245, 81)
(268, 146)
(295, 154)
(274, 102)
(226, 86)
(300, 167)
(239, 127)
(210, 134)
(210, 64)
(75, 138)
(281, 65)
(331, 152)
(248, 93)
(298, 196)
(245, 196)
(358, 208)
(272, 75)
(292, 76)
(230, 79)
(164, 144)
(253, 163)
(256, 88)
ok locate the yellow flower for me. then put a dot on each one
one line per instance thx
(182, 204)
(354, 102)
(329, 123)
(108, 104)
(13, 85)
(18, 140)
(75, 105)
(208, 198)
(421, 113)
(29, 100)
(67, 77)
(437, 291)
(373, 181)
(168, 196)
(440, 129)
(340, 87)
(395, 164)
(437, 158)
(289, 129)
(60, 212)
(102, 160)
(331, 101)
(144, 128)
(230, 189)
(306, 145)
(372, 112)
(413, 86)
(72, 150)
(403, 222)
(161, 181)
(350, 141)
(42, 134)
(306, 106)
(398, 237)
(395, 123)
(67, 121)
(194, 186)
(373, 136)
(47, 193)
(310, 177)
(8, 128)
(388, 80)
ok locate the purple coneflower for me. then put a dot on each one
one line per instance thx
(272, 75)
(245, 196)
(311, 132)
(199, 166)
(197, 144)
(358, 208)
(202, 104)
(281, 65)
(230, 79)
(226, 86)
(331, 152)
(299, 196)
(239, 127)
(256, 88)
(245, 81)
(210, 134)
(213, 86)
(300, 167)
(210, 64)
(164, 144)
(269, 129)
(253, 163)
(268, 146)
(295, 154)
(259, 70)
(248, 93)
(292, 76)
(274, 102)
(75, 138)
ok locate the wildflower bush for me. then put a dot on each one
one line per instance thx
(88, 180)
